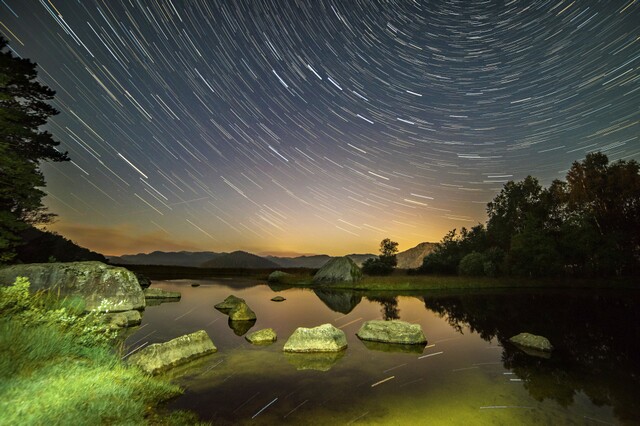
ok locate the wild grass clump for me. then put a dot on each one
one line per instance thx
(57, 366)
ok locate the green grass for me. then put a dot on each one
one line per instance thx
(399, 281)
(57, 368)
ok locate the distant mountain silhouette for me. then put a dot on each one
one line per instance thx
(240, 259)
(315, 261)
(181, 258)
(412, 258)
(44, 246)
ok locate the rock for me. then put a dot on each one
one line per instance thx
(531, 341)
(392, 332)
(338, 269)
(122, 319)
(342, 301)
(195, 285)
(102, 287)
(143, 280)
(262, 337)
(319, 361)
(229, 303)
(278, 299)
(240, 328)
(242, 312)
(160, 357)
(158, 293)
(324, 338)
(276, 276)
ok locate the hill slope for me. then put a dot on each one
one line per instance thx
(180, 258)
(240, 259)
(412, 258)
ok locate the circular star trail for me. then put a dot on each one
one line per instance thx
(318, 126)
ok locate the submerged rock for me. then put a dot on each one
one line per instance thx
(160, 357)
(158, 293)
(392, 332)
(319, 361)
(242, 312)
(262, 337)
(102, 287)
(324, 338)
(122, 319)
(531, 341)
(338, 269)
(278, 299)
(229, 303)
(276, 276)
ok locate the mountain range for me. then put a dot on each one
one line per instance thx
(411, 258)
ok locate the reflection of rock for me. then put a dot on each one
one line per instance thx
(102, 287)
(157, 302)
(532, 342)
(162, 356)
(229, 303)
(393, 347)
(262, 337)
(277, 276)
(392, 332)
(158, 293)
(122, 319)
(338, 301)
(242, 312)
(338, 269)
(278, 299)
(324, 338)
(320, 361)
(240, 328)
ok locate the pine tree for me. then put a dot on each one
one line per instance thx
(23, 146)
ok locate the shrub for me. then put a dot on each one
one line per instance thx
(472, 264)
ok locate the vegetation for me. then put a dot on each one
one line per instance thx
(385, 262)
(57, 366)
(22, 147)
(588, 226)
(45, 246)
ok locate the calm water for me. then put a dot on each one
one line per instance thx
(467, 374)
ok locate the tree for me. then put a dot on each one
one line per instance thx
(23, 110)
(385, 262)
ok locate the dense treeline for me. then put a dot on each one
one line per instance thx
(588, 225)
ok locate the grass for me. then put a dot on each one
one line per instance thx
(400, 281)
(49, 374)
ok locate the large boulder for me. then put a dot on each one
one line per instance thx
(392, 332)
(338, 269)
(277, 276)
(229, 303)
(103, 287)
(160, 357)
(242, 312)
(324, 338)
(531, 341)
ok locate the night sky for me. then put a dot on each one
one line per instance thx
(318, 126)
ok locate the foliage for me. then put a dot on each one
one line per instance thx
(385, 262)
(472, 264)
(51, 350)
(22, 147)
(45, 246)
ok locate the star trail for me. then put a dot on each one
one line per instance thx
(318, 126)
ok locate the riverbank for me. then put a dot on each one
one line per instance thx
(58, 366)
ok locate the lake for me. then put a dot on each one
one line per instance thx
(467, 374)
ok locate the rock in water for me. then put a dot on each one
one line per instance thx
(122, 319)
(102, 287)
(262, 337)
(278, 299)
(392, 332)
(229, 303)
(531, 341)
(338, 269)
(158, 293)
(242, 312)
(324, 338)
(160, 357)
(277, 276)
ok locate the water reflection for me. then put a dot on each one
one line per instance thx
(393, 347)
(240, 328)
(595, 349)
(389, 304)
(342, 301)
(320, 361)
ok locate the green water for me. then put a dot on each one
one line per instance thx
(467, 374)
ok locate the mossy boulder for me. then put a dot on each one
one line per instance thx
(229, 303)
(158, 293)
(532, 341)
(277, 276)
(160, 357)
(102, 287)
(395, 331)
(122, 319)
(262, 337)
(324, 338)
(242, 312)
(338, 269)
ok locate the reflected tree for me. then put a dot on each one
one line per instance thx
(389, 304)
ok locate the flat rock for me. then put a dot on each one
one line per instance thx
(324, 338)
(122, 319)
(242, 312)
(229, 303)
(531, 341)
(262, 337)
(392, 332)
(158, 293)
(278, 299)
(103, 288)
(160, 357)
